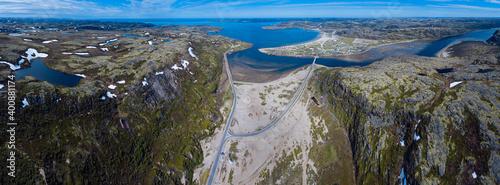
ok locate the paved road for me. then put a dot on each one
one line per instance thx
(224, 138)
(228, 135)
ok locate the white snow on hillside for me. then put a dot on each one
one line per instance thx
(191, 53)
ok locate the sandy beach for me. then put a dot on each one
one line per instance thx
(443, 53)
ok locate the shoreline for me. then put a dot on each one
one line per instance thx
(443, 53)
(333, 56)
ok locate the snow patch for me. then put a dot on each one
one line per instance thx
(12, 66)
(110, 41)
(104, 49)
(402, 143)
(1, 86)
(150, 42)
(159, 73)
(81, 75)
(33, 53)
(415, 136)
(144, 83)
(67, 53)
(25, 102)
(112, 86)
(17, 34)
(191, 53)
(90, 47)
(402, 177)
(121, 82)
(175, 67)
(110, 95)
(103, 98)
(453, 84)
(27, 40)
(81, 54)
(474, 175)
(49, 41)
(185, 63)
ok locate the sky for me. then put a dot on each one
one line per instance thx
(104, 9)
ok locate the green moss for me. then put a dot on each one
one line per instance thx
(230, 180)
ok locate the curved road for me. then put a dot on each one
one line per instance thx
(228, 135)
(224, 138)
(282, 114)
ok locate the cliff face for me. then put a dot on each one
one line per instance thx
(403, 115)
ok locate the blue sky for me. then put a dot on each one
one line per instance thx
(92, 9)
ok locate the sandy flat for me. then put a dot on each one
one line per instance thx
(261, 103)
(255, 154)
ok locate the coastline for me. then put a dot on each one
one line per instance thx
(319, 39)
(443, 53)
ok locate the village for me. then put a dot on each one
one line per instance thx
(328, 44)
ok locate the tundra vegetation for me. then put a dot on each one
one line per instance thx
(149, 133)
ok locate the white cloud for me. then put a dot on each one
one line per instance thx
(473, 7)
(54, 8)
(493, 1)
(148, 8)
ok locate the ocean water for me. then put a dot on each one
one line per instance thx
(251, 62)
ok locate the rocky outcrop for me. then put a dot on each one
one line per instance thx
(164, 86)
(403, 115)
(134, 111)
(495, 39)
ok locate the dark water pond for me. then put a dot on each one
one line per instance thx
(446, 70)
(485, 70)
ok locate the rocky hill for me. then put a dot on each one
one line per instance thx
(417, 119)
(137, 116)
(495, 39)
(434, 119)
(392, 28)
(476, 48)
